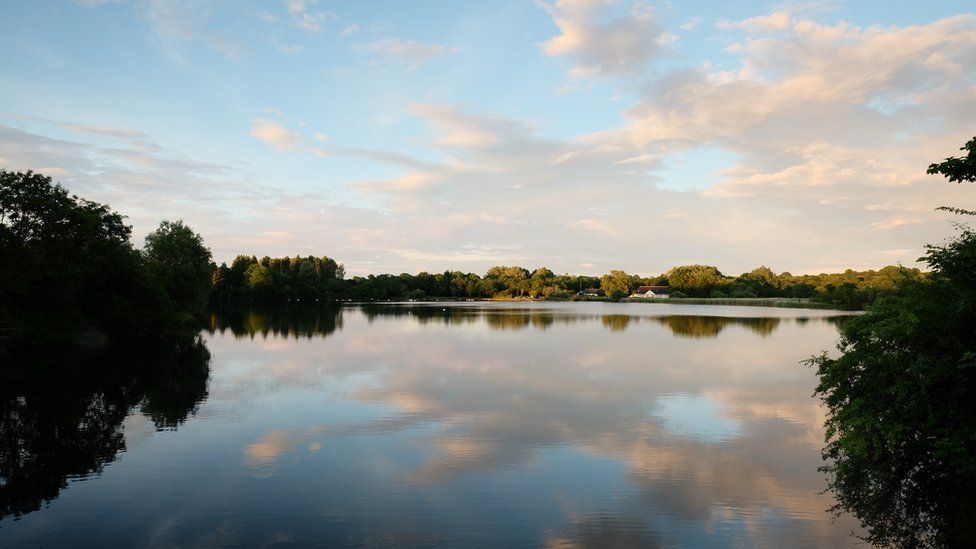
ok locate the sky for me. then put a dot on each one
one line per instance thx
(581, 135)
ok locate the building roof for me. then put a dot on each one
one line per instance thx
(655, 289)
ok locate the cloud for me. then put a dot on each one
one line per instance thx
(95, 3)
(285, 49)
(279, 137)
(118, 133)
(405, 53)
(593, 198)
(775, 22)
(177, 25)
(305, 17)
(825, 118)
(225, 203)
(275, 135)
(893, 222)
(265, 16)
(605, 45)
(231, 50)
(690, 24)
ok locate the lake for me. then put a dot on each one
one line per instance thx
(462, 424)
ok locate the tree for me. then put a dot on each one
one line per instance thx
(540, 279)
(901, 402)
(70, 274)
(617, 284)
(957, 170)
(761, 281)
(514, 279)
(258, 276)
(696, 280)
(182, 264)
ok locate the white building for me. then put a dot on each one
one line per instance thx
(658, 292)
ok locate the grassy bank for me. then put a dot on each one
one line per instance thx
(793, 303)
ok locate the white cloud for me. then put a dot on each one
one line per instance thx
(602, 44)
(275, 135)
(279, 137)
(775, 22)
(839, 115)
(690, 24)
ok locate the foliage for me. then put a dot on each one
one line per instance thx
(69, 271)
(71, 275)
(695, 280)
(290, 279)
(902, 408)
(617, 284)
(958, 169)
(181, 264)
(901, 400)
(280, 279)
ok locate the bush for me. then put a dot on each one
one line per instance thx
(901, 400)
(416, 295)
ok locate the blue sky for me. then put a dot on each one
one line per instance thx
(583, 135)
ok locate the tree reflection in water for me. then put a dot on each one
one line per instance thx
(710, 326)
(297, 321)
(61, 417)
(517, 318)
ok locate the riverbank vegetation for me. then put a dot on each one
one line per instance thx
(72, 277)
(901, 400)
(288, 279)
(784, 302)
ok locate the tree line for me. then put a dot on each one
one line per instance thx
(289, 279)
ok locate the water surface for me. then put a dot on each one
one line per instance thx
(477, 424)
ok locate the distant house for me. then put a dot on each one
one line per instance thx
(592, 292)
(659, 292)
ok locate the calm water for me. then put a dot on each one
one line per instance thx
(556, 425)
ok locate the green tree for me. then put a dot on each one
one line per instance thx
(901, 401)
(761, 281)
(958, 170)
(696, 280)
(259, 276)
(182, 264)
(617, 284)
